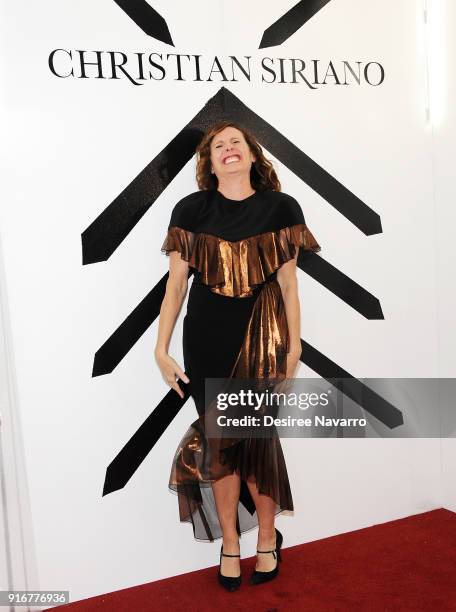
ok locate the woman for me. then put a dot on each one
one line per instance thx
(241, 236)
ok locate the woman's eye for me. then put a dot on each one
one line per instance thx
(219, 145)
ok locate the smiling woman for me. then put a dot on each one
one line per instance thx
(230, 153)
(241, 236)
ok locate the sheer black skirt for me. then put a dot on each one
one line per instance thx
(213, 333)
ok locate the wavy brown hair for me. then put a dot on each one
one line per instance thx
(262, 173)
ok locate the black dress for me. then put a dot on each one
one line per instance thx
(235, 327)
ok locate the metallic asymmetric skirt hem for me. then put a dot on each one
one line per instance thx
(226, 337)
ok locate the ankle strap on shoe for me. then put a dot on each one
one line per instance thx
(268, 551)
(225, 555)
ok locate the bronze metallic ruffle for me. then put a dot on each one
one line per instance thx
(234, 268)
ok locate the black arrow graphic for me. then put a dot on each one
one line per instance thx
(288, 24)
(147, 18)
(111, 227)
(127, 461)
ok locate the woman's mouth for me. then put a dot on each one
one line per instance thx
(231, 159)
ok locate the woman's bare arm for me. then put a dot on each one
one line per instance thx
(176, 289)
(287, 279)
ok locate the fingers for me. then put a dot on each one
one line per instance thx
(178, 390)
(181, 375)
(172, 372)
(172, 382)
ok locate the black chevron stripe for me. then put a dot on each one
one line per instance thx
(341, 285)
(117, 346)
(135, 200)
(288, 24)
(127, 461)
(110, 228)
(147, 18)
(119, 343)
(336, 194)
(368, 399)
(154, 25)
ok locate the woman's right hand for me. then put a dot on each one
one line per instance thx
(170, 371)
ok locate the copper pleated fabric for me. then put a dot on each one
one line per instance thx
(233, 269)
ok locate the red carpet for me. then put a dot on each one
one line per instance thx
(407, 564)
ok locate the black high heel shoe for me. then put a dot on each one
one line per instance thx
(260, 577)
(230, 583)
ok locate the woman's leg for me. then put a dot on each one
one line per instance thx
(226, 493)
(265, 507)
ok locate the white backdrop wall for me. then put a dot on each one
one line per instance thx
(72, 145)
(442, 68)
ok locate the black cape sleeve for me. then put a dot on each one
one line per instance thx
(180, 235)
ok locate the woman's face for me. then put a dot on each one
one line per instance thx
(230, 153)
